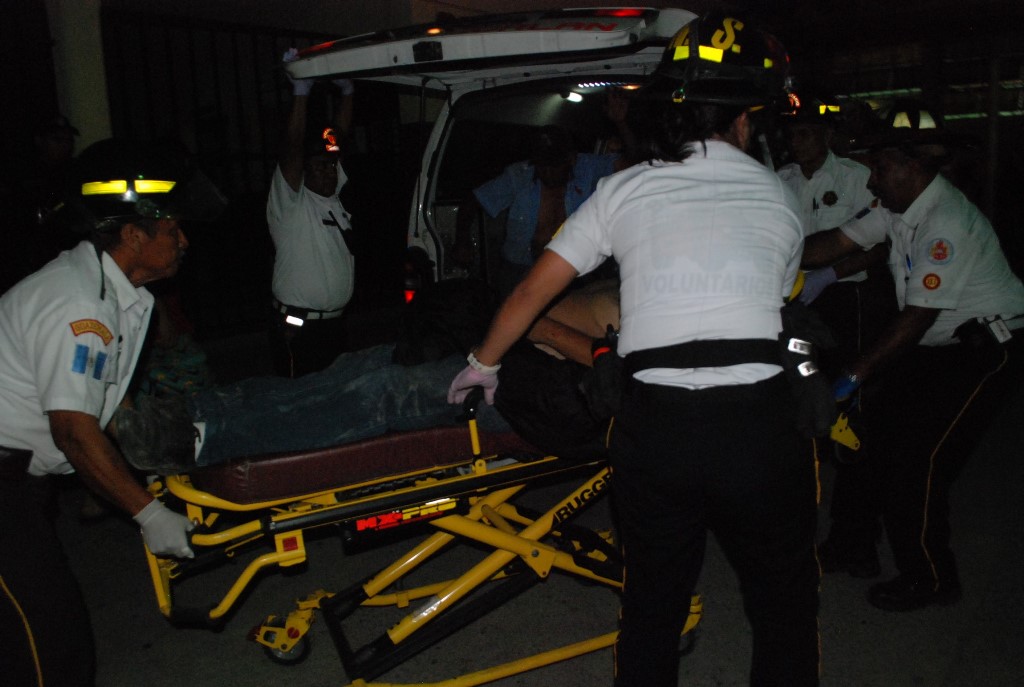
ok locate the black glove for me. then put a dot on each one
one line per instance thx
(602, 384)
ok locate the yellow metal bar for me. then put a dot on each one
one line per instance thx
(159, 572)
(407, 563)
(504, 670)
(535, 661)
(282, 558)
(474, 437)
(181, 486)
(530, 550)
(431, 545)
(403, 598)
(246, 529)
(495, 519)
(496, 560)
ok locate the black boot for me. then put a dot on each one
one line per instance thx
(157, 436)
(908, 593)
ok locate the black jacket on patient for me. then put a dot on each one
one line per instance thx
(538, 394)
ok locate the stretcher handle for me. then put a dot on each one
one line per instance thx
(471, 403)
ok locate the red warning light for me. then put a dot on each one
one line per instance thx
(621, 12)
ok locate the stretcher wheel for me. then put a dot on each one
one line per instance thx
(295, 655)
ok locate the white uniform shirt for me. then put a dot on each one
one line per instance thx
(313, 267)
(64, 348)
(707, 249)
(946, 255)
(833, 196)
(869, 227)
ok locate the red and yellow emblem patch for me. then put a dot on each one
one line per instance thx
(931, 281)
(79, 327)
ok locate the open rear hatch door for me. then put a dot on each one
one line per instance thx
(499, 48)
(492, 78)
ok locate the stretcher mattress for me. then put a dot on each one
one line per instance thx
(284, 475)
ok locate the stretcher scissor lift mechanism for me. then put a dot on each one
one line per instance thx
(467, 499)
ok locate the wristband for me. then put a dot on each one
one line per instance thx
(480, 367)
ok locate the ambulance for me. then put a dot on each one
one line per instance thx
(488, 82)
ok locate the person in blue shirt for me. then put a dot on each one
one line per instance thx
(539, 193)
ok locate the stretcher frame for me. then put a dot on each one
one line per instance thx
(467, 500)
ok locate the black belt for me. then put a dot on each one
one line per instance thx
(705, 353)
(303, 313)
(982, 331)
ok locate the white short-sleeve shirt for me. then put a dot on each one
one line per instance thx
(834, 195)
(707, 249)
(945, 255)
(313, 267)
(868, 227)
(63, 347)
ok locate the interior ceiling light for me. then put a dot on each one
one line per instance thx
(574, 97)
(607, 84)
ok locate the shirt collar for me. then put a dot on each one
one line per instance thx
(828, 167)
(721, 150)
(924, 202)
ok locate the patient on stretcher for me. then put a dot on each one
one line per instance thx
(364, 394)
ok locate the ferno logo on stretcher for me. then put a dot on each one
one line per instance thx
(406, 516)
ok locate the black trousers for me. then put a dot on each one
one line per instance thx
(922, 419)
(45, 634)
(297, 351)
(856, 313)
(727, 460)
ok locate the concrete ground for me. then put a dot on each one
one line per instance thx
(978, 641)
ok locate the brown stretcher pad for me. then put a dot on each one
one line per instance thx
(287, 475)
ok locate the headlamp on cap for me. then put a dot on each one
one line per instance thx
(330, 140)
(116, 181)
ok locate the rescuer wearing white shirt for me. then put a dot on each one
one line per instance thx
(708, 242)
(70, 336)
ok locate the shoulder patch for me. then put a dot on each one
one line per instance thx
(931, 281)
(79, 327)
(940, 252)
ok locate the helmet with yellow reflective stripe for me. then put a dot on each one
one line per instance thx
(721, 59)
(116, 181)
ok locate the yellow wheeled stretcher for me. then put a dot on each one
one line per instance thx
(462, 487)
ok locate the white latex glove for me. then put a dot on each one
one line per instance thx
(815, 282)
(299, 86)
(345, 85)
(467, 379)
(164, 531)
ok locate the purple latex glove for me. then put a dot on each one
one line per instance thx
(844, 387)
(467, 379)
(815, 282)
(299, 86)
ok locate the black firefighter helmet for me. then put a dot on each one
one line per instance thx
(116, 181)
(720, 59)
